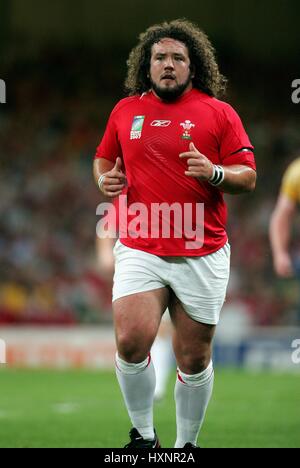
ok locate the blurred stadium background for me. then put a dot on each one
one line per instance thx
(64, 65)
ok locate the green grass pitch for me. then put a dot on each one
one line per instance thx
(85, 409)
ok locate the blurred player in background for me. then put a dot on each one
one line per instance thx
(282, 221)
(161, 351)
(176, 145)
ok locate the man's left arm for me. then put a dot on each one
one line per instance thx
(235, 179)
(238, 179)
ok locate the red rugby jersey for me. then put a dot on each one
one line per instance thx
(149, 134)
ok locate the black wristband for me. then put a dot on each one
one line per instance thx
(218, 176)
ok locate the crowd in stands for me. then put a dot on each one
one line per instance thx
(49, 273)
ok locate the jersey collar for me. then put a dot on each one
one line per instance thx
(183, 98)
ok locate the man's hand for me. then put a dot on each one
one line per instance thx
(283, 265)
(113, 182)
(199, 166)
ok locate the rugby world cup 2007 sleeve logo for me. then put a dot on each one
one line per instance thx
(137, 127)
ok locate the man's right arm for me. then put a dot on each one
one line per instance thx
(109, 177)
(280, 233)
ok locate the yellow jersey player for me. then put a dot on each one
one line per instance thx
(282, 218)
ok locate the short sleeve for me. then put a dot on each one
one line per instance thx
(235, 146)
(109, 147)
(291, 182)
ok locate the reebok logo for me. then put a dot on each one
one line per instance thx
(160, 123)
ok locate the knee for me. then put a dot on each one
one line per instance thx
(130, 349)
(194, 363)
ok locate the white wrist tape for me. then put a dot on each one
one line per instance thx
(101, 180)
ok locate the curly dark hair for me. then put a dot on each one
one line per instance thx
(201, 52)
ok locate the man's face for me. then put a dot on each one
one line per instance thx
(170, 73)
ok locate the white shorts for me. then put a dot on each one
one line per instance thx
(200, 283)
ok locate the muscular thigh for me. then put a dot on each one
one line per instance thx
(192, 340)
(137, 318)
